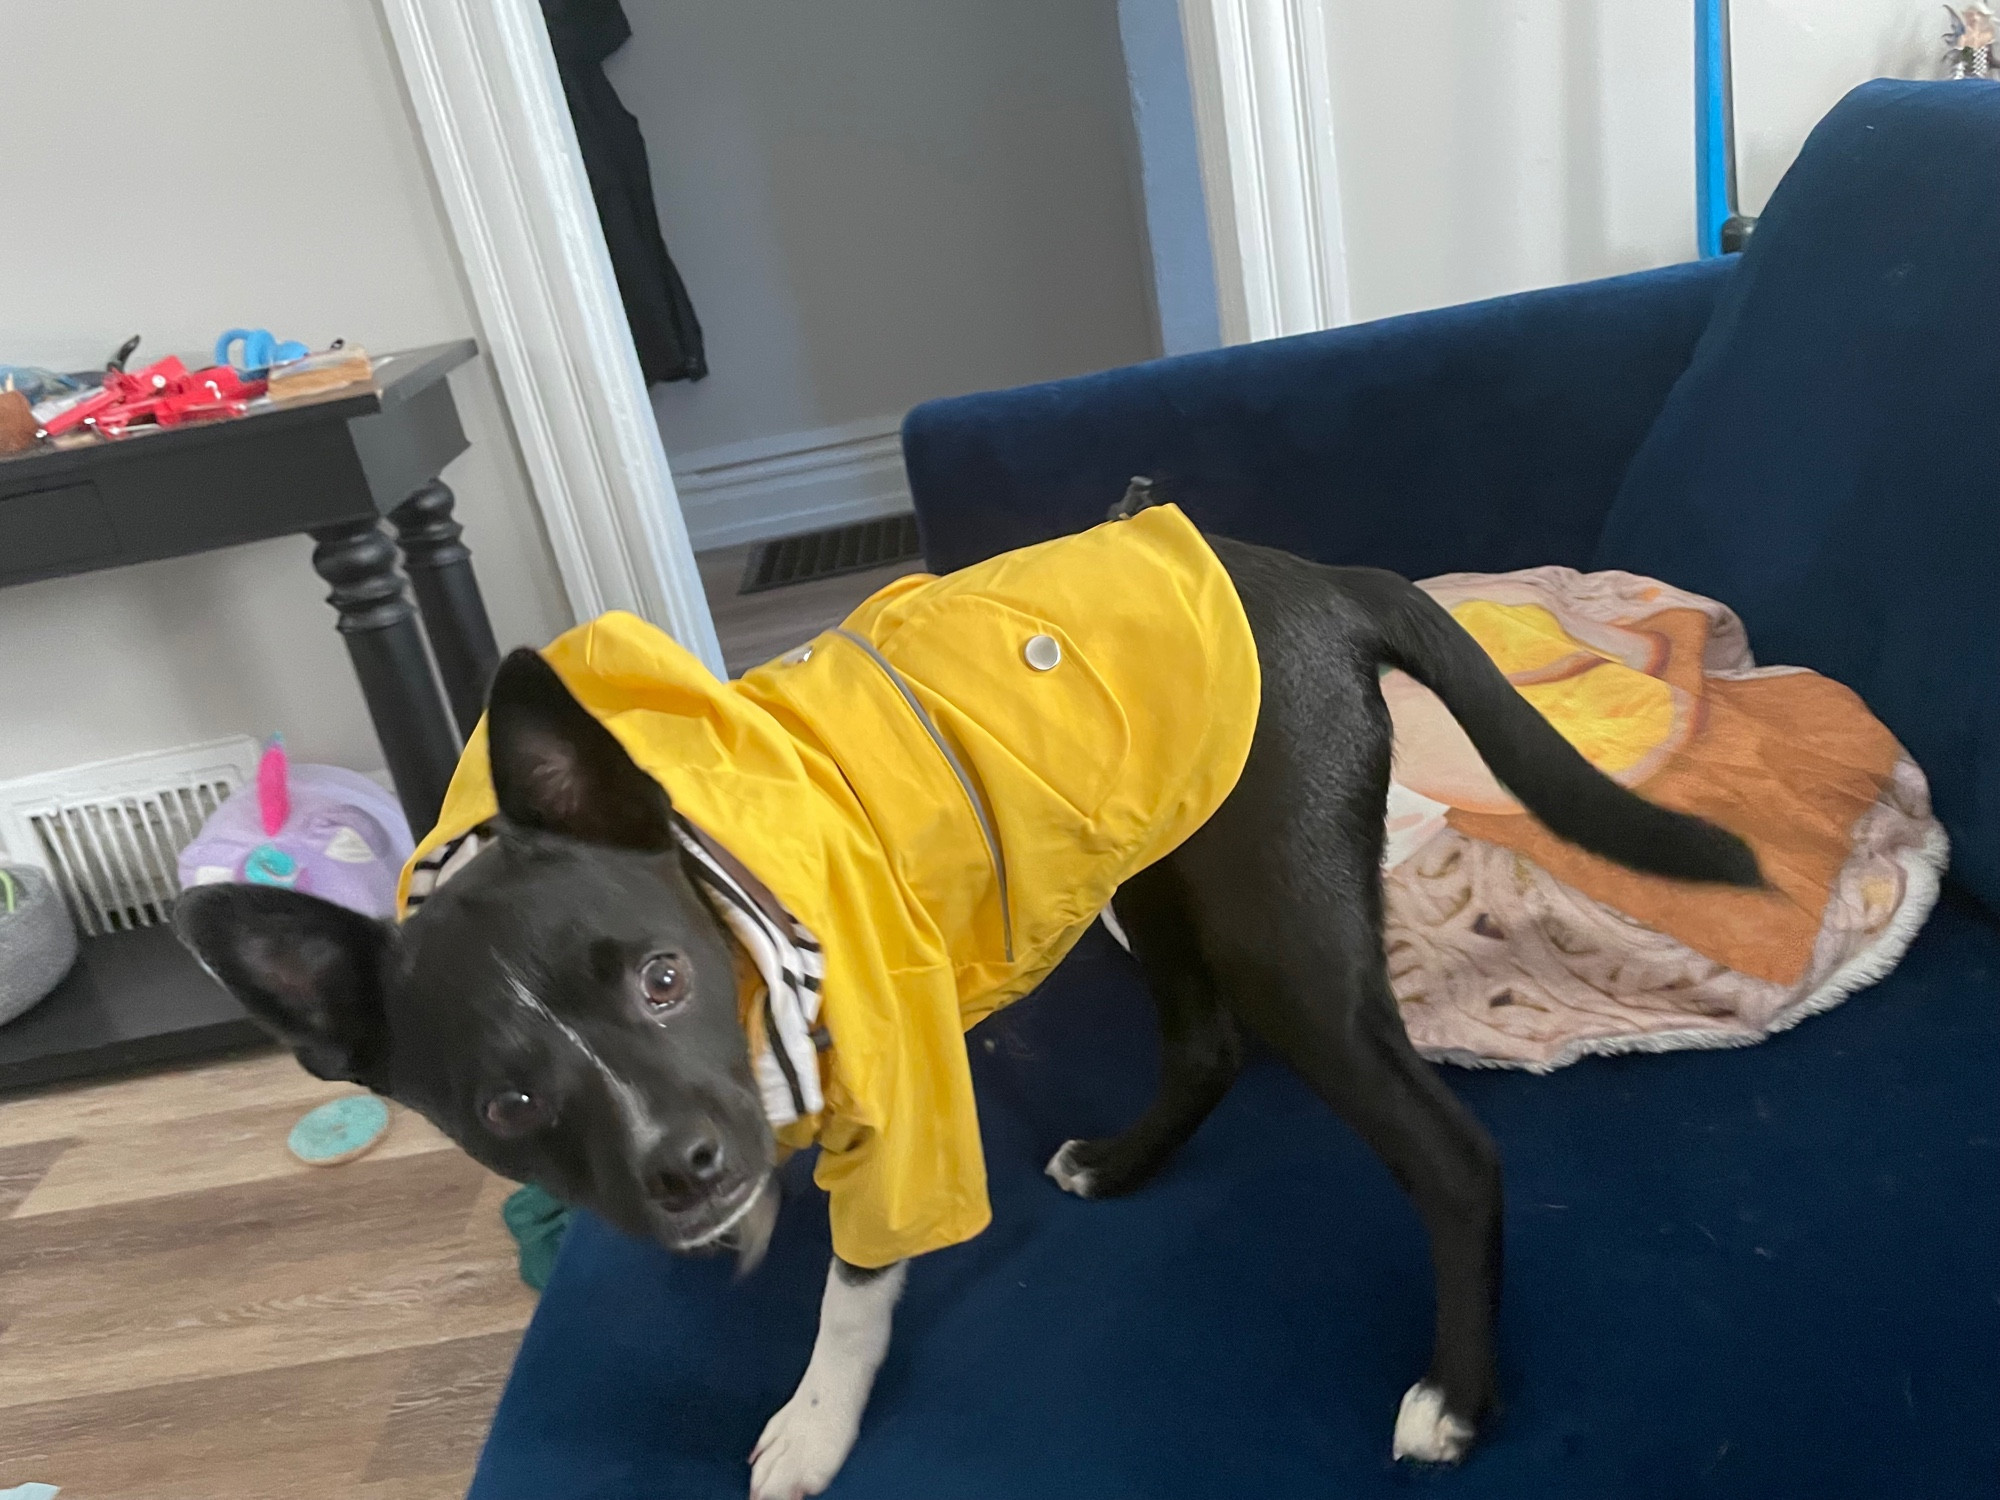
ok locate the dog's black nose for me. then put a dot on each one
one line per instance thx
(684, 1170)
(704, 1158)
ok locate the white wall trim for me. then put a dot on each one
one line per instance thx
(796, 481)
(482, 79)
(1261, 76)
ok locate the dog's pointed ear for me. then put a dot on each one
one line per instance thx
(557, 769)
(310, 972)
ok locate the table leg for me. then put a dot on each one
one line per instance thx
(380, 627)
(439, 566)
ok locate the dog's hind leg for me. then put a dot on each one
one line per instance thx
(1351, 1047)
(1285, 885)
(1200, 1053)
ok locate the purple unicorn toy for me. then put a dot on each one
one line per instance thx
(320, 829)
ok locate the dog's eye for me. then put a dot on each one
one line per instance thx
(663, 979)
(511, 1114)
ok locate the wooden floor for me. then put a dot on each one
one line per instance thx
(188, 1313)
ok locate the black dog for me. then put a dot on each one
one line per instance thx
(1267, 920)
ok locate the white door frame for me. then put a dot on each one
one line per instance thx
(1261, 75)
(482, 78)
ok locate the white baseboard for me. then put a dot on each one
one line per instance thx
(797, 481)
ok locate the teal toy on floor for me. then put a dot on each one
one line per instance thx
(338, 1131)
(538, 1223)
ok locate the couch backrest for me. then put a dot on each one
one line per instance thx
(1489, 436)
(1828, 464)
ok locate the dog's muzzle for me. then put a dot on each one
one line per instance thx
(741, 1223)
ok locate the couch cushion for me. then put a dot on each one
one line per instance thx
(1827, 466)
(1746, 1273)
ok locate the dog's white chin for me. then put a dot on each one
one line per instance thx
(745, 1228)
(753, 1230)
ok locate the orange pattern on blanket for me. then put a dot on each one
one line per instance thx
(1787, 762)
(1615, 713)
(1627, 710)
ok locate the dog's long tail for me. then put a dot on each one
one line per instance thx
(1533, 761)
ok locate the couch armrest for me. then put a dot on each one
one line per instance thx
(1484, 437)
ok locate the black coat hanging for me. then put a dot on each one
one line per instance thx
(584, 33)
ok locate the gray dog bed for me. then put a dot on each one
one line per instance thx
(37, 939)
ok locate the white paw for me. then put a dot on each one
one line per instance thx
(802, 1448)
(1426, 1431)
(1070, 1177)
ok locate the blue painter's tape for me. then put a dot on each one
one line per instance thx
(1714, 145)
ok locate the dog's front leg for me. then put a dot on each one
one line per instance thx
(805, 1444)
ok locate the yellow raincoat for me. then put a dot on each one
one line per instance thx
(1067, 714)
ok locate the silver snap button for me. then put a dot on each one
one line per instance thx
(799, 657)
(1042, 652)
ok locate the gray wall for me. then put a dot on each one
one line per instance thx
(154, 183)
(1488, 146)
(878, 201)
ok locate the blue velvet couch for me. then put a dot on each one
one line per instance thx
(1768, 1272)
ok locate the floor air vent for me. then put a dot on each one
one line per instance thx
(827, 554)
(110, 834)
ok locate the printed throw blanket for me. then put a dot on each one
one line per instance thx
(1509, 947)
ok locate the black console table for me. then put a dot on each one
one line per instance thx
(334, 468)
